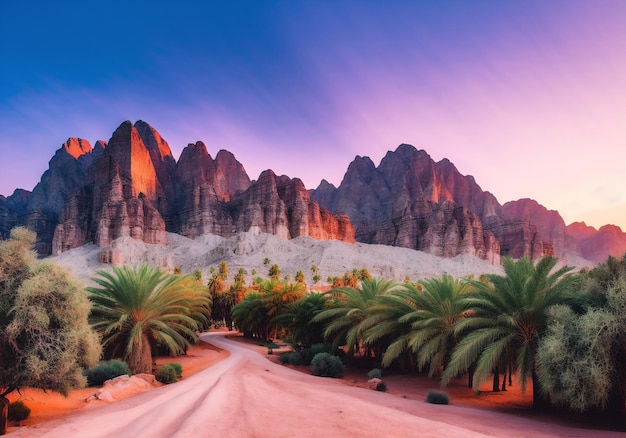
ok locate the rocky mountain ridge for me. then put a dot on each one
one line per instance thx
(133, 186)
(410, 200)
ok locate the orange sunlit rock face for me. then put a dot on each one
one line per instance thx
(134, 187)
(77, 147)
(128, 151)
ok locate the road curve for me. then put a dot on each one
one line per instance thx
(245, 395)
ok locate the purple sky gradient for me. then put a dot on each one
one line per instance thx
(528, 97)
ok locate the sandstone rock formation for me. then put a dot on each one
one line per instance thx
(597, 245)
(413, 202)
(132, 186)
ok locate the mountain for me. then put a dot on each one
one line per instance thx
(596, 245)
(411, 201)
(132, 186)
(576, 239)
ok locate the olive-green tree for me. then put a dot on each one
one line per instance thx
(580, 359)
(45, 339)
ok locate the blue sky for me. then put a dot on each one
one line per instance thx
(528, 97)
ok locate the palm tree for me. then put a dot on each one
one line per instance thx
(139, 310)
(277, 295)
(299, 315)
(250, 316)
(509, 317)
(345, 323)
(424, 321)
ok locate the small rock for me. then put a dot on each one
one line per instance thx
(373, 383)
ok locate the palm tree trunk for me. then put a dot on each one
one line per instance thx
(496, 380)
(470, 377)
(510, 374)
(504, 380)
(4, 414)
(140, 357)
(541, 402)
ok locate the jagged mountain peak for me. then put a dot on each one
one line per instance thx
(133, 186)
(76, 147)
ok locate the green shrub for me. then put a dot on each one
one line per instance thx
(291, 358)
(18, 411)
(105, 371)
(374, 374)
(326, 365)
(382, 386)
(308, 354)
(437, 398)
(169, 373)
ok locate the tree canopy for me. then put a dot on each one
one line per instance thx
(140, 310)
(45, 338)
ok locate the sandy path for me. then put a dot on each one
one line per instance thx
(245, 395)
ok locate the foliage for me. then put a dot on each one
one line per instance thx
(421, 321)
(105, 371)
(374, 373)
(509, 317)
(251, 318)
(18, 411)
(437, 398)
(291, 358)
(45, 339)
(169, 373)
(300, 277)
(274, 272)
(298, 318)
(326, 365)
(345, 323)
(307, 354)
(223, 270)
(580, 359)
(142, 309)
(257, 314)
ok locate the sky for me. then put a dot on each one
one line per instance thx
(529, 97)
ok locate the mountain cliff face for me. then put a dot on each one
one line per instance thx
(132, 186)
(411, 201)
(596, 245)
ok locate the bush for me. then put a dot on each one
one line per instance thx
(105, 371)
(326, 365)
(437, 398)
(309, 353)
(382, 386)
(18, 411)
(169, 373)
(374, 374)
(292, 358)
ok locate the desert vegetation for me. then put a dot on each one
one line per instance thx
(560, 331)
(143, 310)
(45, 338)
(550, 327)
